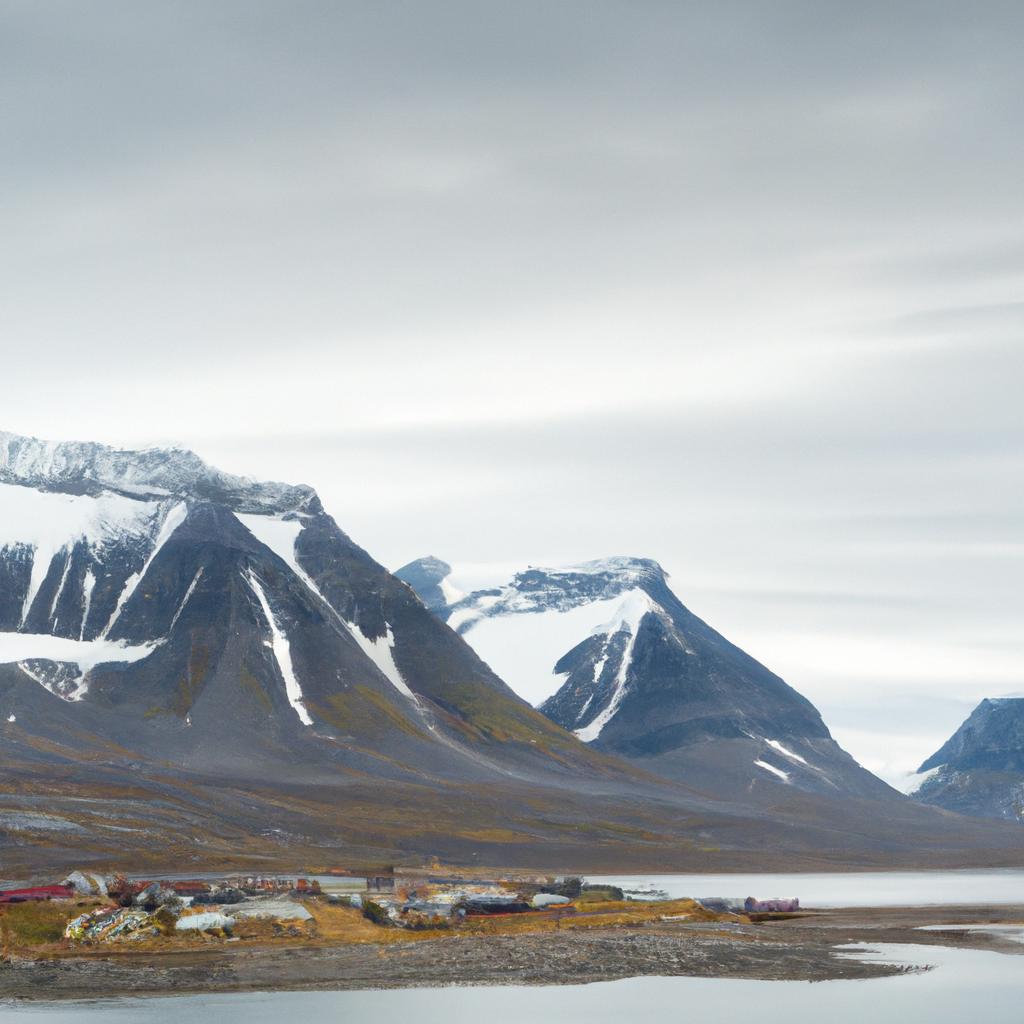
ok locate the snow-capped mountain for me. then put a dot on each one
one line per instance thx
(606, 650)
(155, 473)
(979, 770)
(157, 598)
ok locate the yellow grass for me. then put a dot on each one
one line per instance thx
(345, 925)
(589, 915)
(39, 927)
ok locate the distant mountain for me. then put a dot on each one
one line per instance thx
(630, 670)
(979, 770)
(427, 576)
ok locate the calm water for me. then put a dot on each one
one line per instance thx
(842, 889)
(966, 985)
(851, 889)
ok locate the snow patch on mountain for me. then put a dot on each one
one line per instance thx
(777, 772)
(146, 473)
(26, 650)
(463, 619)
(524, 648)
(535, 589)
(452, 594)
(522, 622)
(381, 652)
(913, 781)
(88, 585)
(281, 535)
(87, 654)
(60, 586)
(282, 651)
(631, 608)
(785, 751)
(184, 601)
(470, 577)
(174, 517)
(49, 523)
(634, 606)
(623, 567)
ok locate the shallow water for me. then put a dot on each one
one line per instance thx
(1010, 932)
(847, 889)
(966, 985)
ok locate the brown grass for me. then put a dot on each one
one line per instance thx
(25, 926)
(606, 914)
(191, 686)
(494, 835)
(345, 925)
(365, 712)
(255, 687)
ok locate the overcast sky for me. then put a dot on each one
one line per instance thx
(736, 286)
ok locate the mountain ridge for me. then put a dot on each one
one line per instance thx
(200, 669)
(86, 466)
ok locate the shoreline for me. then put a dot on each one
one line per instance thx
(800, 948)
(469, 872)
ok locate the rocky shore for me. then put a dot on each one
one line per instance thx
(804, 948)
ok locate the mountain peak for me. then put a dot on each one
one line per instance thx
(428, 567)
(535, 589)
(426, 576)
(992, 736)
(75, 467)
(628, 567)
(980, 768)
(606, 650)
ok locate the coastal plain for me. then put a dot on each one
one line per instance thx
(338, 949)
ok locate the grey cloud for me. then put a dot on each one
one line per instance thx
(734, 285)
(265, 146)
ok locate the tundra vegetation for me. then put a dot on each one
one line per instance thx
(37, 930)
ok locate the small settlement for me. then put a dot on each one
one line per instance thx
(115, 909)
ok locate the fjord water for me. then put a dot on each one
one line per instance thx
(974, 887)
(982, 987)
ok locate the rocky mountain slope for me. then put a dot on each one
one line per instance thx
(233, 625)
(980, 768)
(608, 651)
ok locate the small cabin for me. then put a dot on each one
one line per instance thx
(773, 906)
